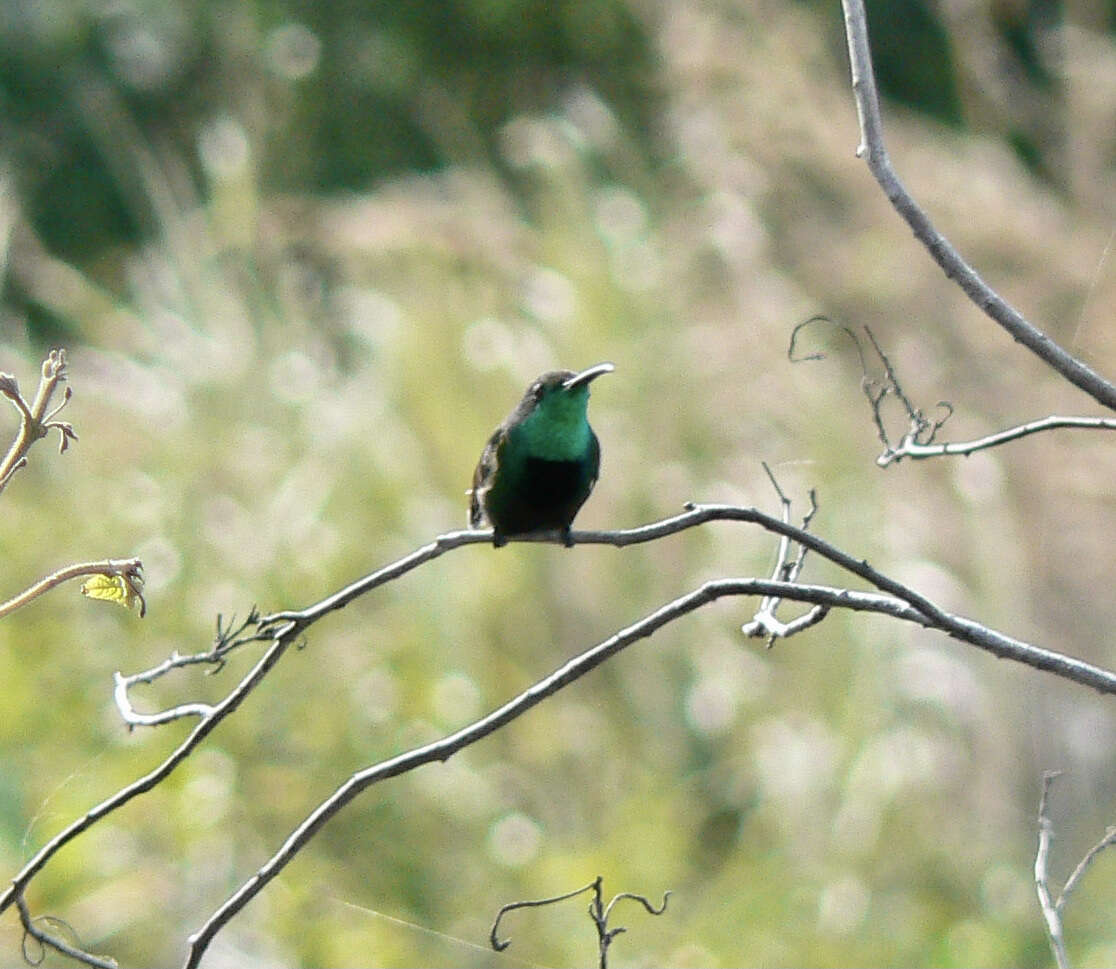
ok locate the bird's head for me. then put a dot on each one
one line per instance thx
(553, 411)
(563, 394)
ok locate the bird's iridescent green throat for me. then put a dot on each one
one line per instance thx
(558, 428)
(540, 464)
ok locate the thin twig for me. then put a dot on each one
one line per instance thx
(765, 624)
(1051, 912)
(32, 926)
(909, 448)
(873, 151)
(494, 935)
(918, 441)
(131, 570)
(227, 639)
(1083, 866)
(598, 912)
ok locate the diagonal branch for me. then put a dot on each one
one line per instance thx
(291, 623)
(284, 629)
(873, 151)
(153, 778)
(441, 750)
(1107, 841)
(577, 667)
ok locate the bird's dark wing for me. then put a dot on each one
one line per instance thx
(482, 479)
(594, 459)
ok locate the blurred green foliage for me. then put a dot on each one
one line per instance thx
(345, 93)
(313, 256)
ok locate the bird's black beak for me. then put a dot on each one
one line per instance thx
(586, 375)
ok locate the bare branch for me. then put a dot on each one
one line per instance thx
(501, 944)
(821, 318)
(153, 778)
(909, 448)
(577, 667)
(643, 900)
(918, 441)
(766, 624)
(285, 629)
(291, 622)
(1052, 910)
(872, 150)
(226, 640)
(1084, 864)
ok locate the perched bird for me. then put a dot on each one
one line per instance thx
(539, 466)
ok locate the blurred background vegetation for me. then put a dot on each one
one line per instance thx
(305, 256)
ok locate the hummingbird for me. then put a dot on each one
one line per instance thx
(539, 466)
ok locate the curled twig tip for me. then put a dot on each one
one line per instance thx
(821, 318)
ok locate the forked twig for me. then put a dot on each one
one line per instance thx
(765, 623)
(35, 421)
(919, 440)
(598, 912)
(1052, 908)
